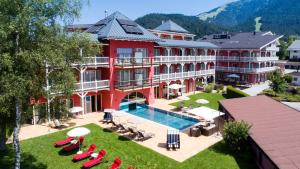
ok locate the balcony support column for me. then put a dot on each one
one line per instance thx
(205, 50)
(168, 90)
(182, 51)
(168, 51)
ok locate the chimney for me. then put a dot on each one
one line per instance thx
(162, 22)
(254, 33)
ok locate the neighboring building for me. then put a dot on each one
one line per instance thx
(296, 78)
(294, 58)
(246, 57)
(275, 133)
(294, 51)
(139, 65)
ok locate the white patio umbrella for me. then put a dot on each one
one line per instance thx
(233, 76)
(78, 132)
(183, 98)
(175, 86)
(202, 101)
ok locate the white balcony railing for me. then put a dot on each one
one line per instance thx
(245, 70)
(94, 61)
(246, 59)
(184, 75)
(176, 59)
(101, 84)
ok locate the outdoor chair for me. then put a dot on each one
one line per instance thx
(74, 146)
(133, 132)
(123, 128)
(86, 154)
(95, 161)
(107, 118)
(173, 139)
(142, 135)
(63, 142)
(117, 164)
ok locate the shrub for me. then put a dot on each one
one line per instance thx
(219, 87)
(288, 78)
(269, 92)
(279, 83)
(236, 134)
(232, 92)
(208, 88)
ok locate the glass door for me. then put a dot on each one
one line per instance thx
(88, 104)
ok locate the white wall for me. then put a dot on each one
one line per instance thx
(295, 54)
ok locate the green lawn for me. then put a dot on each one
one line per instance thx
(39, 153)
(213, 99)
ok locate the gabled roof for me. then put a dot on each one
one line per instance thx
(245, 40)
(275, 127)
(111, 28)
(171, 26)
(295, 45)
(79, 26)
(184, 43)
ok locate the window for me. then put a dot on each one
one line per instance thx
(156, 52)
(156, 70)
(91, 75)
(141, 52)
(295, 79)
(124, 52)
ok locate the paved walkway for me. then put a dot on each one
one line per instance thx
(294, 105)
(257, 88)
(190, 146)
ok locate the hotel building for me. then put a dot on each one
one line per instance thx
(137, 64)
(245, 57)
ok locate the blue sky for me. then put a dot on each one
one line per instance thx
(94, 11)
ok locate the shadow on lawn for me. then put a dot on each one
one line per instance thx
(28, 161)
(243, 159)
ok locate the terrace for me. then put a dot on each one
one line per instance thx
(131, 153)
(201, 152)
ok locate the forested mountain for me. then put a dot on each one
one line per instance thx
(191, 23)
(279, 16)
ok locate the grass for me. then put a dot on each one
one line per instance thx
(39, 153)
(213, 99)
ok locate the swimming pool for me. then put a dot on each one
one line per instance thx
(167, 118)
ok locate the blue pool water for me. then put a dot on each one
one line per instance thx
(170, 119)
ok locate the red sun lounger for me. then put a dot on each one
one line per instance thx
(74, 146)
(85, 154)
(116, 164)
(63, 142)
(94, 161)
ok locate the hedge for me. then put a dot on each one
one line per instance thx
(235, 93)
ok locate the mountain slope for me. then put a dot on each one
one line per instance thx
(190, 23)
(279, 16)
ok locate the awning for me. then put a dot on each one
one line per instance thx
(176, 86)
(205, 112)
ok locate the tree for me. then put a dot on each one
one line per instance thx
(236, 134)
(30, 37)
(283, 53)
(278, 82)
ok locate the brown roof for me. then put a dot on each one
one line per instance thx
(275, 127)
